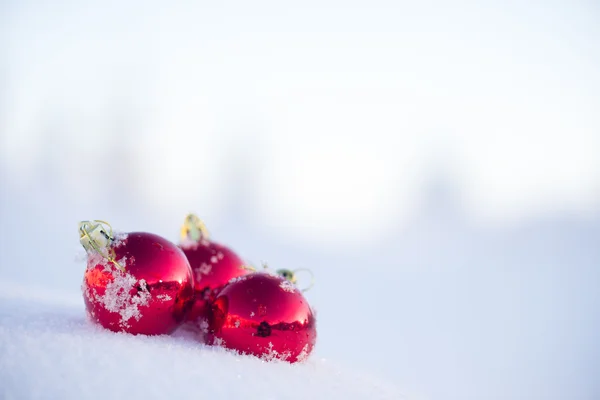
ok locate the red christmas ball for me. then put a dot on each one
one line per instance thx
(138, 282)
(263, 315)
(213, 266)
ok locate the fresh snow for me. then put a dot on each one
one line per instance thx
(287, 286)
(50, 350)
(117, 297)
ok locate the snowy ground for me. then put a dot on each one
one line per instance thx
(48, 350)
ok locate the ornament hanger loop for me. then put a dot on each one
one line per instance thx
(97, 236)
(193, 228)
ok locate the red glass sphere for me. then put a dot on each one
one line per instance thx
(263, 315)
(146, 290)
(213, 265)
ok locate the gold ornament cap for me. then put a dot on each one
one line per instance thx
(193, 229)
(97, 236)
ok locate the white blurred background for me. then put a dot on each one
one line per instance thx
(436, 165)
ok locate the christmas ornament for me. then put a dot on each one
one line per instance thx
(136, 282)
(263, 315)
(213, 265)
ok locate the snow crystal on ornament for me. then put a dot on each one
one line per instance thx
(214, 259)
(220, 255)
(303, 356)
(119, 239)
(118, 298)
(95, 258)
(164, 297)
(252, 314)
(273, 354)
(237, 323)
(86, 292)
(238, 279)
(287, 286)
(204, 269)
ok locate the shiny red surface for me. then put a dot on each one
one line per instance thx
(257, 315)
(168, 295)
(213, 266)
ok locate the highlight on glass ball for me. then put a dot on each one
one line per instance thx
(135, 282)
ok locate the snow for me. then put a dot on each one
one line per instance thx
(164, 297)
(273, 354)
(287, 286)
(119, 238)
(48, 349)
(303, 356)
(117, 297)
(204, 269)
(237, 279)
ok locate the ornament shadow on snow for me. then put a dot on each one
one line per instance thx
(136, 282)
